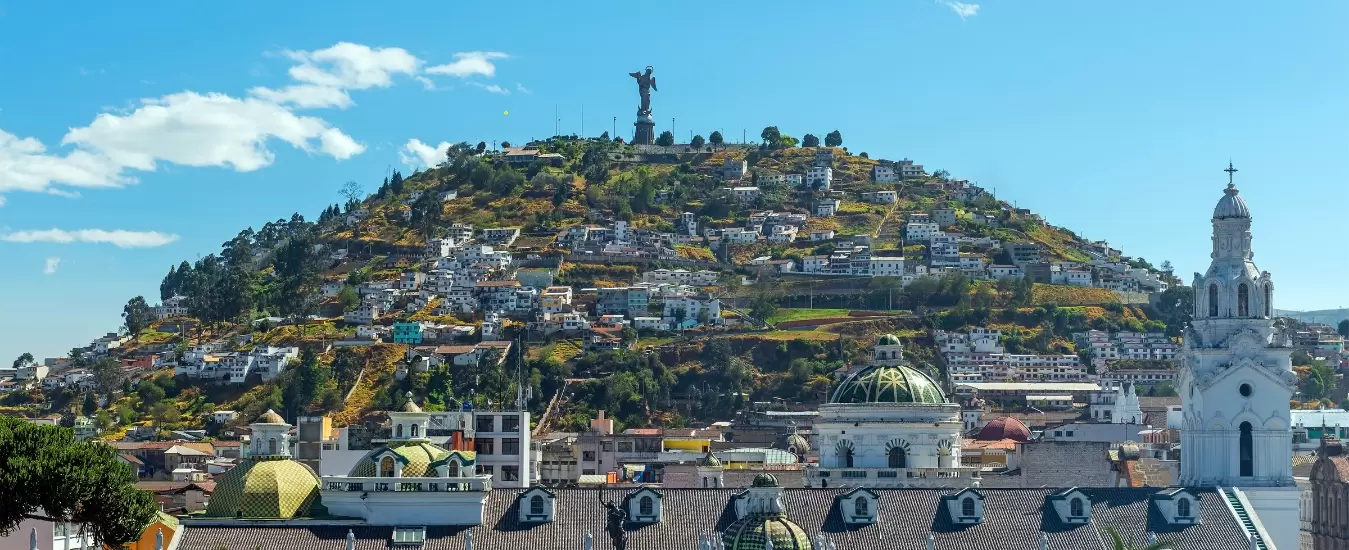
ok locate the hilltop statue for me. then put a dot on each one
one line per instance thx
(644, 130)
(645, 84)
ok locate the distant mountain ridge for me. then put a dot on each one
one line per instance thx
(1327, 316)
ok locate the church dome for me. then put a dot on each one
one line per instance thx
(270, 417)
(1231, 205)
(750, 532)
(798, 443)
(416, 458)
(887, 340)
(264, 488)
(709, 460)
(889, 384)
(411, 407)
(765, 480)
(1004, 427)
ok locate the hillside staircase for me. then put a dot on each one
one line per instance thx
(1238, 506)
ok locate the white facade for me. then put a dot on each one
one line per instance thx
(920, 231)
(820, 177)
(743, 194)
(1236, 379)
(827, 207)
(887, 267)
(796, 180)
(363, 315)
(880, 197)
(883, 173)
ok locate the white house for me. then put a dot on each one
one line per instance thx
(685, 312)
(827, 207)
(1005, 271)
(880, 197)
(887, 266)
(782, 234)
(173, 306)
(504, 236)
(815, 264)
(822, 235)
(364, 315)
(884, 173)
(734, 169)
(820, 177)
(649, 323)
(739, 235)
(909, 170)
(1074, 277)
(920, 231)
(411, 280)
(743, 194)
(796, 180)
(439, 248)
(771, 178)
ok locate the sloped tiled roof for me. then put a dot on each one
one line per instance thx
(1014, 518)
(1066, 463)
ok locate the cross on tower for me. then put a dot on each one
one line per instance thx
(1230, 171)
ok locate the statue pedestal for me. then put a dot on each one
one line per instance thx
(645, 130)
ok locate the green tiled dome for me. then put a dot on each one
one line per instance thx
(417, 458)
(750, 532)
(889, 384)
(709, 460)
(765, 480)
(265, 488)
(887, 340)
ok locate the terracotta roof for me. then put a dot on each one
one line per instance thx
(1013, 518)
(1002, 444)
(1004, 428)
(512, 282)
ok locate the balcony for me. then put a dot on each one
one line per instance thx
(395, 484)
(892, 477)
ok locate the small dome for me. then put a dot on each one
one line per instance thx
(270, 417)
(1004, 427)
(709, 460)
(798, 443)
(887, 340)
(765, 480)
(411, 407)
(750, 532)
(417, 459)
(261, 488)
(1231, 205)
(889, 384)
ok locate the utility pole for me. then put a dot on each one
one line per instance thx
(615, 128)
(583, 121)
(672, 127)
(742, 137)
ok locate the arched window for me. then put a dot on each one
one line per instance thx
(646, 506)
(1075, 508)
(386, 467)
(860, 507)
(897, 457)
(845, 457)
(1269, 301)
(716, 482)
(705, 482)
(1183, 508)
(1243, 300)
(1212, 300)
(271, 446)
(536, 505)
(967, 507)
(398, 431)
(1247, 453)
(413, 429)
(452, 469)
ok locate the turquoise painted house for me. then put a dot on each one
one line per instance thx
(407, 333)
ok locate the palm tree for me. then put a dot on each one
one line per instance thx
(1120, 544)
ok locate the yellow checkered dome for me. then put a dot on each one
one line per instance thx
(265, 488)
(415, 458)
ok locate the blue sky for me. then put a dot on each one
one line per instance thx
(148, 135)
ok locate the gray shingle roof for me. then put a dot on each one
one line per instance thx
(1013, 519)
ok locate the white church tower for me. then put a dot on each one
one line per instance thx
(1236, 380)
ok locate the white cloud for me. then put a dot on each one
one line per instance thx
(521, 88)
(467, 64)
(2, 200)
(491, 88)
(305, 96)
(191, 129)
(52, 264)
(326, 75)
(25, 165)
(418, 154)
(118, 237)
(962, 9)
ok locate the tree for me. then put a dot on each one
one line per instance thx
(666, 139)
(481, 148)
(396, 182)
(348, 298)
(604, 136)
(46, 475)
(1343, 329)
(810, 141)
(715, 139)
(24, 361)
(505, 145)
(107, 375)
(352, 192)
(771, 136)
(697, 142)
(136, 315)
(833, 139)
(90, 406)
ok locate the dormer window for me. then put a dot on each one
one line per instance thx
(1072, 505)
(644, 505)
(536, 506)
(858, 506)
(965, 507)
(1178, 506)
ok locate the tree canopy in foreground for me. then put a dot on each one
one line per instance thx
(45, 474)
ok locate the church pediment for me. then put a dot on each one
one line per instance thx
(1246, 365)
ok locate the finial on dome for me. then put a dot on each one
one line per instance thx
(1230, 172)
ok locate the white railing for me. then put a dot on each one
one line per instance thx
(407, 484)
(893, 476)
